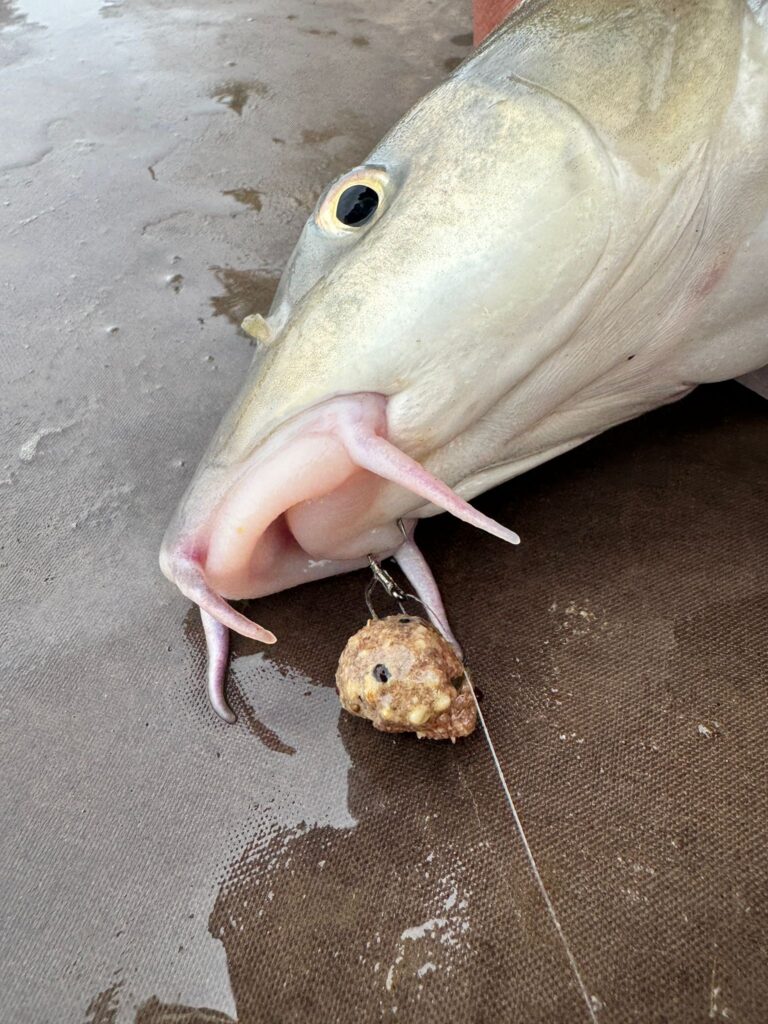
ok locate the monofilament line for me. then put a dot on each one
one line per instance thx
(518, 823)
(534, 867)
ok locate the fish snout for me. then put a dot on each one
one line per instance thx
(314, 499)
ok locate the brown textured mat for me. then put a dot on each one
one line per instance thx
(621, 651)
(159, 867)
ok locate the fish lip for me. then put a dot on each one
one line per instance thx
(259, 446)
(297, 507)
(188, 542)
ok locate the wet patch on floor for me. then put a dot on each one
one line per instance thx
(315, 137)
(245, 292)
(262, 732)
(328, 32)
(464, 41)
(156, 1012)
(301, 906)
(247, 196)
(104, 1007)
(175, 282)
(236, 94)
(235, 694)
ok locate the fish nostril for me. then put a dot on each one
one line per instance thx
(381, 674)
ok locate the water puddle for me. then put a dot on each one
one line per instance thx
(235, 94)
(245, 292)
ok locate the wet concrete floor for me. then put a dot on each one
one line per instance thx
(157, 162)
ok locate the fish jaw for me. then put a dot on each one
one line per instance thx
(277, 525)
(233, 537)
(304, 505)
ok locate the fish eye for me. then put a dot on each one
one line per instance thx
(354, 201)
(356, 205)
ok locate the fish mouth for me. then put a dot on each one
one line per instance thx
(309, 502)
(298, 510)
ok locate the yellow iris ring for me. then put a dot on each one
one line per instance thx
(375, 178)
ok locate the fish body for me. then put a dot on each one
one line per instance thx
(569, 231)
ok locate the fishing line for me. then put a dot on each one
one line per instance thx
(532, 862)
(385, 580)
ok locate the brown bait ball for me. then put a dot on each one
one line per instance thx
(403, 676)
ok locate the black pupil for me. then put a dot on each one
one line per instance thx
(356, 205)
(381, 674)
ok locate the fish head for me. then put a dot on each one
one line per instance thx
(411, 304)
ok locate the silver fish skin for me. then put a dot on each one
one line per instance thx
(569, 231)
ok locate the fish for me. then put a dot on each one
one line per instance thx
(569, 231)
